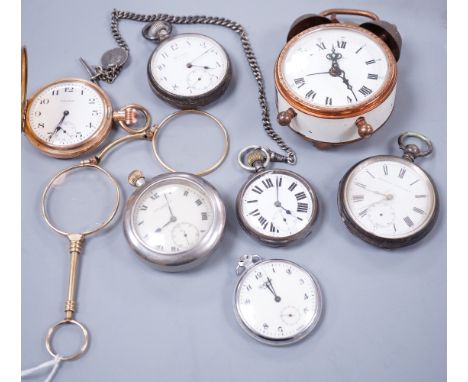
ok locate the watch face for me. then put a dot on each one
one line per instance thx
(335, 66)
(277, 204)
(389, 197)
(66, 113)
(189, 65)
(172, 218)
(278, 301)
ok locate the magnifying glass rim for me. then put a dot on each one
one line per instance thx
(45, 215)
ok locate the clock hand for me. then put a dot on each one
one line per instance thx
(270, 287)
(313, 74)
(189, 64)
(392, 184)
(169, 206)
(342, 75)
(56, 130)
(171, 220)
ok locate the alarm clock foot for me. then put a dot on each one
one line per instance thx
(323, 145)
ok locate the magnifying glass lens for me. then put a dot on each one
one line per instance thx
(80, 200)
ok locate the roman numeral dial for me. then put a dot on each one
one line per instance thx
(277, 204)
(334, 67)
(389, 197)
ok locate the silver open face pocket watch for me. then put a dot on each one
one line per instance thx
(389, 201)
(276, 206)
(186, 70)
(336, 81)
(277, 302)
(175, 220)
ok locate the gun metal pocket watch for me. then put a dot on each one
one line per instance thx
(336, 81)
(276, 301)
(276, 206)
(175, 220)
(69, 117)
(389, 201)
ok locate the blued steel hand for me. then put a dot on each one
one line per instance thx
(270, 287)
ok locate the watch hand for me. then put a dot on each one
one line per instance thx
(288, 212)
(269, 285)
(65, 113)
(396, 185)
(189, 64)
(313, 74)
(169, 206)
(171, 220)
(342, 75)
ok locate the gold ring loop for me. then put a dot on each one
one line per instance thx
(141, 109)
(50, 336)
(166, 120)
(45, 215)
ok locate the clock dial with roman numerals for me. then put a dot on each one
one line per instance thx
(335, 67)
(66, 114)
(172, 218)
(389, 197)
(278, 301)
(277, 206)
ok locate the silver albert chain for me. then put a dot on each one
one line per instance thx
(114, 60)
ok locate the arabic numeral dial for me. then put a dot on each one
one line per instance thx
(276, 204)
(62, 114)
(277, 300)
(390, 198)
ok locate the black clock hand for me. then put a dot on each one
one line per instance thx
(171, 220)
(65, 113)
(342, 75)
(169, 206)
(189, 64)
(313, 74)
(269, 285)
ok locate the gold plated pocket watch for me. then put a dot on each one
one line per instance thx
(69, 117)
(336, 81)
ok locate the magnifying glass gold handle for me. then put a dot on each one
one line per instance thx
(76, 240)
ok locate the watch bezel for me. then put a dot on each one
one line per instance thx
(267, 239)
(343, 111)
(187, 259)
(190, 102)
(379, 241)
(285, 341)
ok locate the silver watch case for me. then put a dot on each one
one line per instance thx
(189, 102)
(378, 241)
(267, 239)
(184, 260)
(285, 341)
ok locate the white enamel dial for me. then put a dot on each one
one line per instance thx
(277, 204)
(335, 67)
(189, 65)
(172, 218)
(66, 114)
(389, 197)
(278, 300)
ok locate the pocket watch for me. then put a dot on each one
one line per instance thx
(175, 220)
(187, 70)
(70, 116)
(277, 302)
(277, 206)
(389, 201)
(336, 81)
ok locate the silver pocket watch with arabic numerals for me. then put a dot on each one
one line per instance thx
(276, 206)
(389, 201)
(187, 70)
(276, 301)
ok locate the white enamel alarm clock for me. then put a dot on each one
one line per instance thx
(336, 81)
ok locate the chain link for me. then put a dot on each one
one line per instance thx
(220, 21)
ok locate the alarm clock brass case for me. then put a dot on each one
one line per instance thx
(368, 237)
(76, 150)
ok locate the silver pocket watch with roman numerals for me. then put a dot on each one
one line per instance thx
(276, 301)
(276, 206)
(389, 201)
